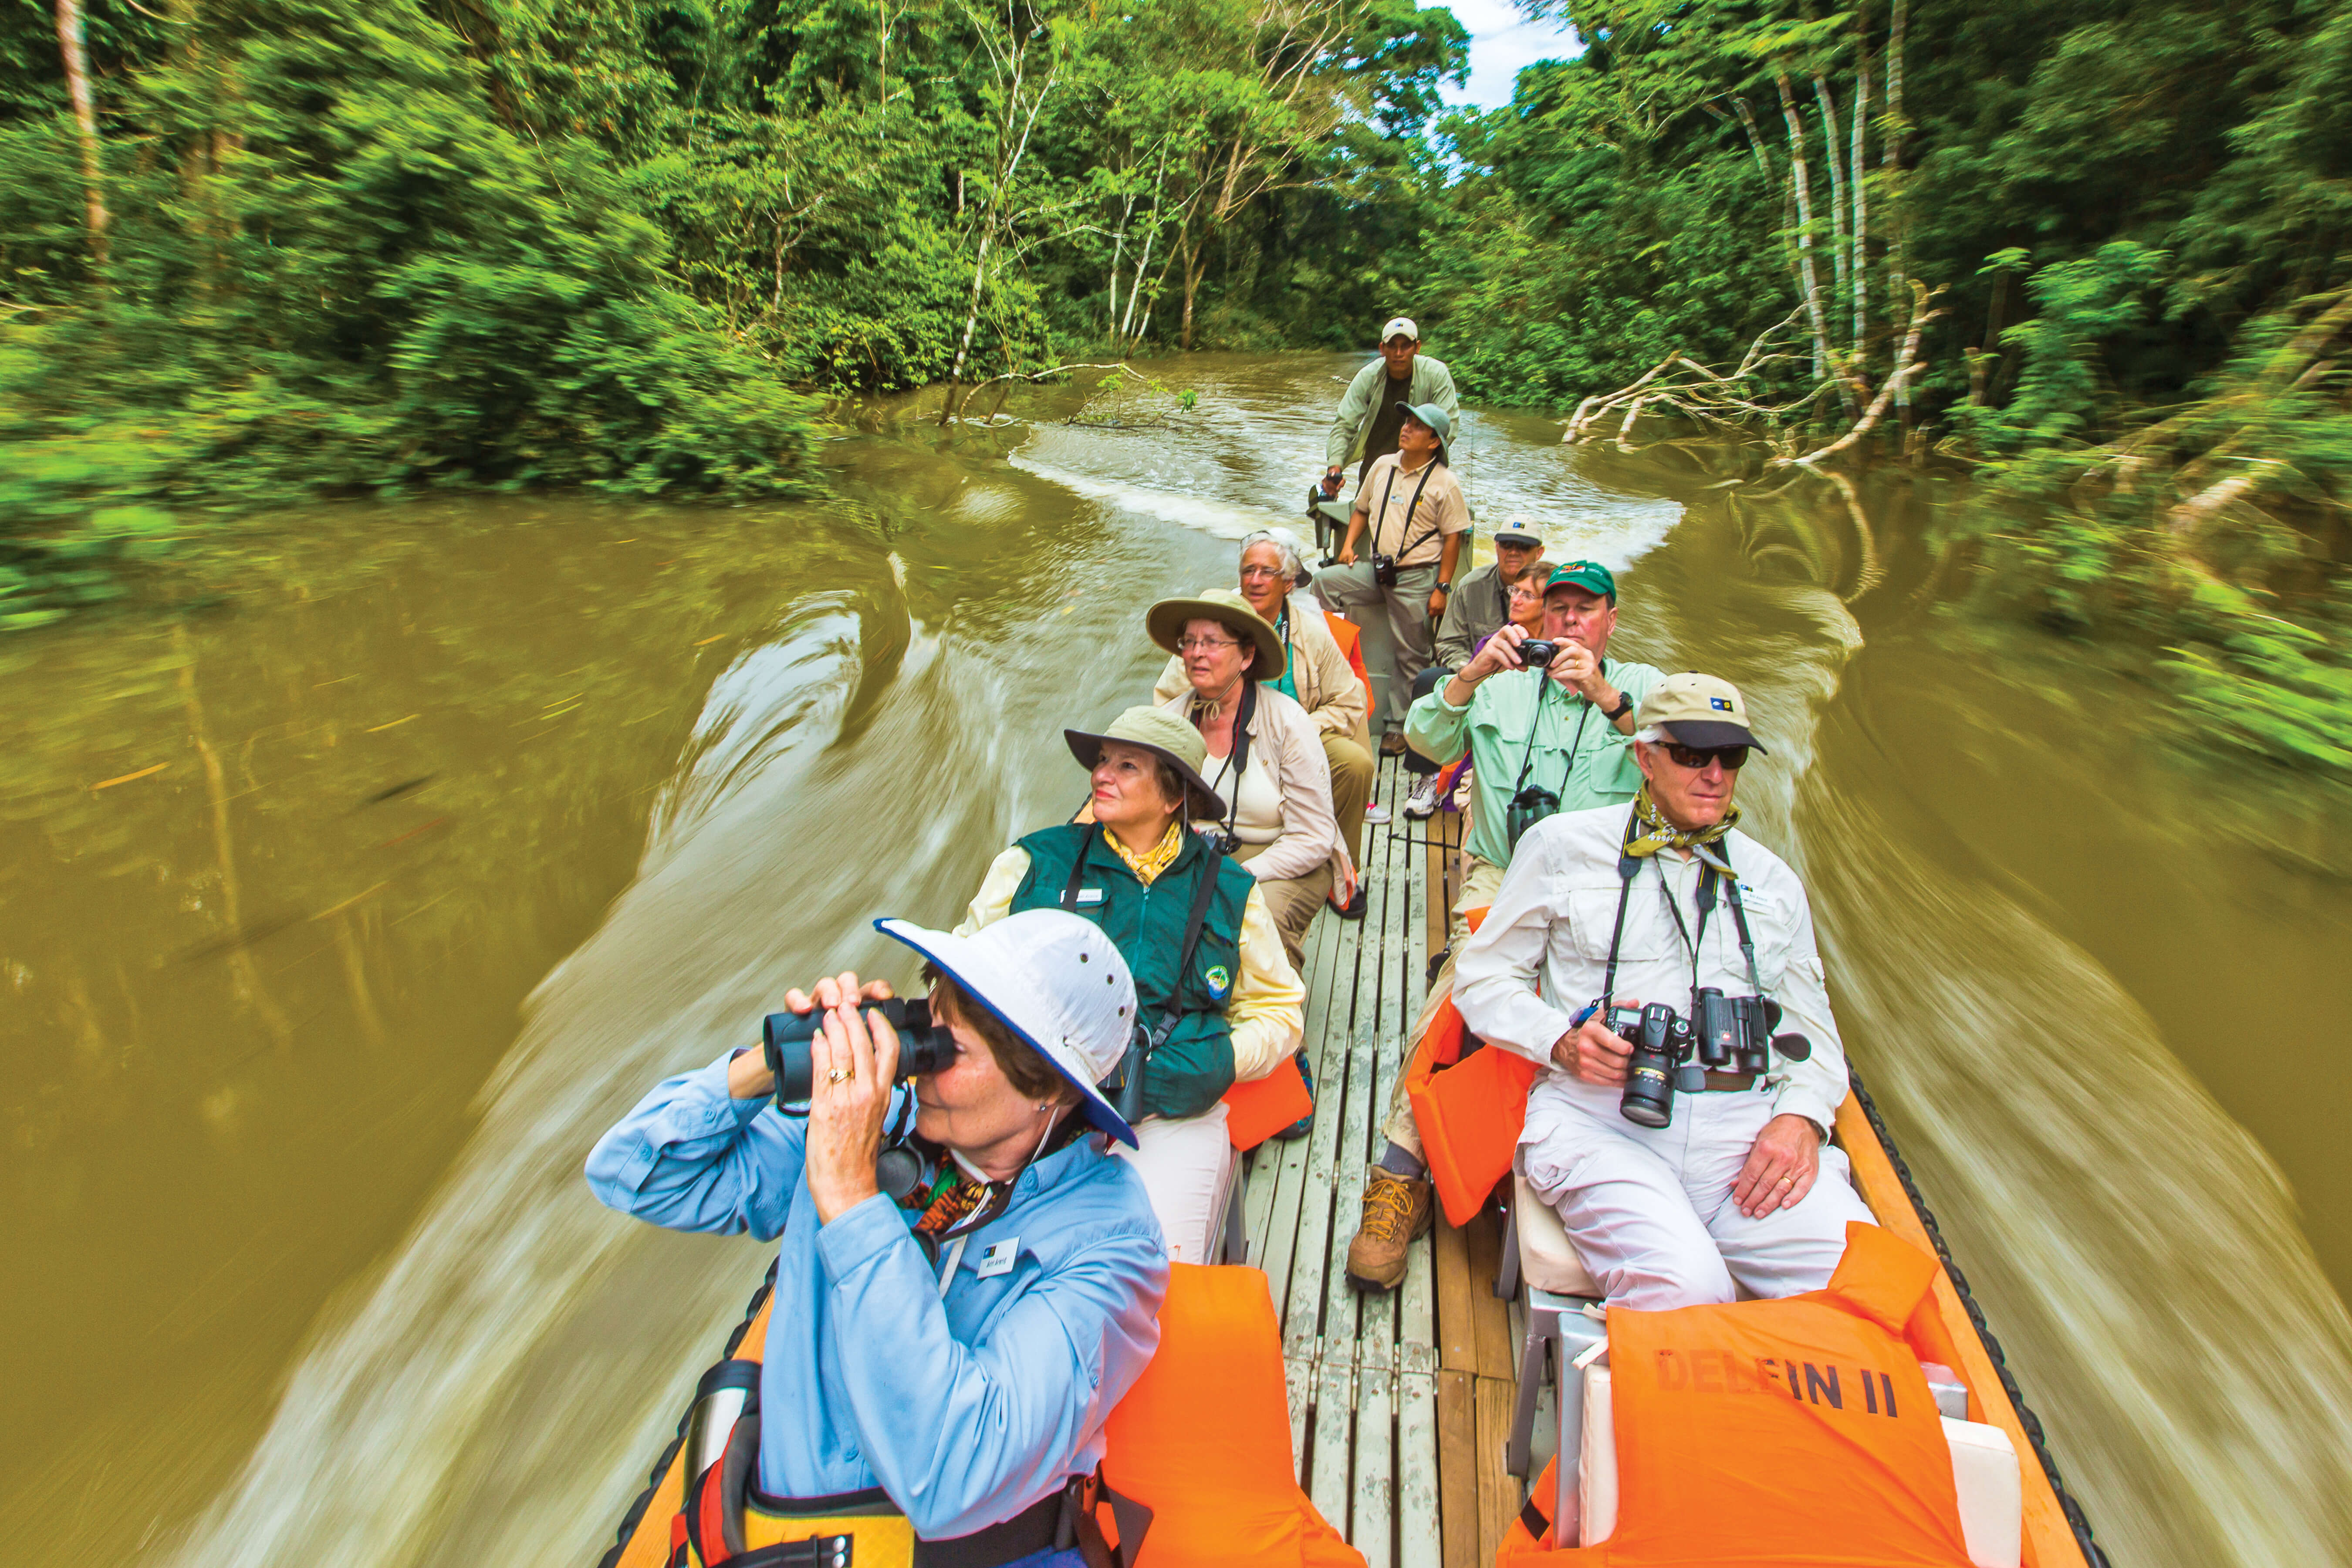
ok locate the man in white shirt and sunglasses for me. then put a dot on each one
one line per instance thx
(1648, 904)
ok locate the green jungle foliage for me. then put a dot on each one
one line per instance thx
(2138, 214)
(310, 247)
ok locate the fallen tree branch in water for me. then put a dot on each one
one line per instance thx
(1907, 365)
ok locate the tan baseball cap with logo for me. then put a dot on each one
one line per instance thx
(1697, 709)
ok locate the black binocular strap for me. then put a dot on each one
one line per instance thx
(1078, 871)
(1203, 890)
(1405, 542)
(1527, 757)
(1740, 918)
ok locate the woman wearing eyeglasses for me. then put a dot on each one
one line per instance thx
(1315, 671)
(1264, 759)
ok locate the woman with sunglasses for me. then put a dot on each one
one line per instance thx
(1739, 1189)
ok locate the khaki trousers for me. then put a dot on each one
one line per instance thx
(1351, 787)
(1480, 881)
(1292, 902)
(1394, 625)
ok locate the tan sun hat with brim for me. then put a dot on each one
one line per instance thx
(1165, 735)
(1701, 710)
(1165, 622)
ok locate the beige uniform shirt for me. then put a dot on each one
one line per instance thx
(1387, 491)
(1543, 952)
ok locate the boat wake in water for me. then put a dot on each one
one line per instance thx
(497, 1392)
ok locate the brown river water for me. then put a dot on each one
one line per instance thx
(345, 900)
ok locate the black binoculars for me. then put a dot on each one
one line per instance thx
(1724, 1034)
(1527, 807)
(924, 1044)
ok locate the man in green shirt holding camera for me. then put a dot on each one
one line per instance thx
(1548, 723)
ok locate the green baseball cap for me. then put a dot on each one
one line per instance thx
(1431, 415)
(1590, 576)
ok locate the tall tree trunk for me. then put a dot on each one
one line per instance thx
(69, 43)
(1830, 155)
(1755, 137)
(971, 322)
(1861, 204)
(1802, 183)
(1891, 161)
(1194, 265)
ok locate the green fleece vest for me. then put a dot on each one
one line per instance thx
(1191, 1070)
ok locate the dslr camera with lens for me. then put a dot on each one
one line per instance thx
(1724, 1034)
(924, 1046)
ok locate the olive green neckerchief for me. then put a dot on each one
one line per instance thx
(1658, 834)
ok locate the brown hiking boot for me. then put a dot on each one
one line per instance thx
(1397, 1209)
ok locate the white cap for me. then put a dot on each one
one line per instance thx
(1400, 326)
(1054, 979)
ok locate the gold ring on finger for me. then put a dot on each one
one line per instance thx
(840, 1075)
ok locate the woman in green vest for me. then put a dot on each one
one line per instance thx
(1214, 992)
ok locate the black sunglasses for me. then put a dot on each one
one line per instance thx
(1733, 758)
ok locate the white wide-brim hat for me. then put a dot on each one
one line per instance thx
(1054, 979)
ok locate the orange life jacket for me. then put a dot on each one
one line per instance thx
(1469, 1113)
(1203, 1437)
(1351, 641)
(1795, 1431)
(1256, 1111)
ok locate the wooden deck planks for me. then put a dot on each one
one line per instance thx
(1391, 1407)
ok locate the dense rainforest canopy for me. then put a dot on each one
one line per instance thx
(2097, 256)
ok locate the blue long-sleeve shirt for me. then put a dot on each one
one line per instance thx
(966, 1407)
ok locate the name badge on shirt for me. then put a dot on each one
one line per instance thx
(1090, 895)
(997, 1257)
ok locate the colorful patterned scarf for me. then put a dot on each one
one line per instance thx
(1658, 834)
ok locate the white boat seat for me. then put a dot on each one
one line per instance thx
(1984, 1470)
(1547, 1259)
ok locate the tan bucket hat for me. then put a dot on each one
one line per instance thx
(1165, 735)
(1165, 622)
(1702, 710)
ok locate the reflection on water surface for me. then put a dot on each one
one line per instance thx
(339, 914)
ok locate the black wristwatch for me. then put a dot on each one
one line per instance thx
(1624, 706)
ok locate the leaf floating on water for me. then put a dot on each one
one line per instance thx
(405, 786)
(126, 778)
(404, 837)
(396, 725)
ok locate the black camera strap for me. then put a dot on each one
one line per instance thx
(1236, 761)
(1406, 540)
(1628, 868)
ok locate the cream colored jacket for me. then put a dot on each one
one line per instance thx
(1283, 738)
(1328, 687)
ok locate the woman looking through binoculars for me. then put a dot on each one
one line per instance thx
(1216, 1000)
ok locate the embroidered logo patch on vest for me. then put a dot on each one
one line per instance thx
(1219, 978)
